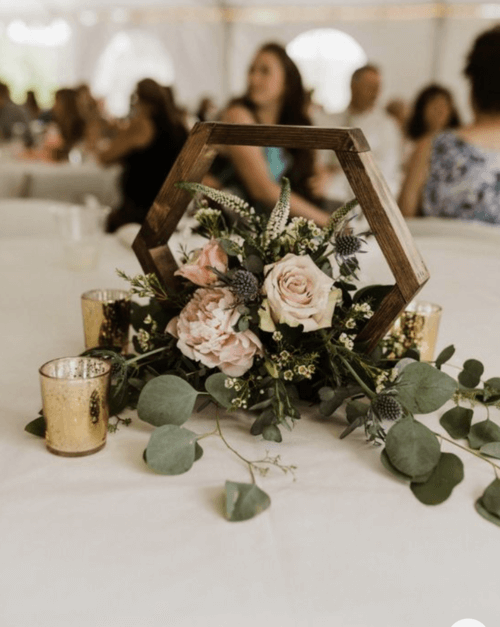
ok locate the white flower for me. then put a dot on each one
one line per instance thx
(346, 340)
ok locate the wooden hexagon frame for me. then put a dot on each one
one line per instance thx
(363, 174)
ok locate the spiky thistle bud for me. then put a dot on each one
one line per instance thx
(245, 285)
(387, 407)
(347, 245)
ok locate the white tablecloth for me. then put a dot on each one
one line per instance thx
(103, 541)
(58, 181)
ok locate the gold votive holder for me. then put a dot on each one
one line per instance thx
(417, 327)
(106, 319)
(75, 404)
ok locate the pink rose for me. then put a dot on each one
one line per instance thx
(198, 270)
(297, 292)
(205, 333)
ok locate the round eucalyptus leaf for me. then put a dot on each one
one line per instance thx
(457, 422)
(215, 385)
(412, 448)
(253, 263)
(445, 355)
(423, 389)
(471, 374)
(166, 399)
(244, 501)
(36, 427)
(483, 433)
(171, 450)
(243, 324)
(386, 462)
(448, 473)
(491, 498)
(492, 449)
(485, 513)
(198, 452)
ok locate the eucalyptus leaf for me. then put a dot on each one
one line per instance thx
(445, 355)
(244, 501)
(491, 498)
(326, 393)
(198, 452)
(448, 473)
(492, 449)
(254, 264)
(457, 422)
(485, 513)
(166, 399)
(229, 247)
(328, 407)
(492, 389)
(357, 422)
(171, 450)
(243, 324)
(412, 448)
(215, 385)
(36, 427)
(272, 433)
(386, 462)
(423, 389)
(471, 374)
(355, 409)
(483, 433)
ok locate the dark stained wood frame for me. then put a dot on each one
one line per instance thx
(363, 174)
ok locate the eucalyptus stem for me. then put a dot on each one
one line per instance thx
(133, 360)
(362, 384)
(469, 450)
(219, 431)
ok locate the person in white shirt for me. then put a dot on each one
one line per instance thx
(378, 127)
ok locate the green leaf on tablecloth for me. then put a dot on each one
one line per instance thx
(244, 501)
(457, 422)
(492, 390)
(171, 450)
(357, 422)
(36, 427)
(485, 513)
(490, 499)
(471, 374)
(326, 393)
(386, 462)
(215, 385)
(198, 452)
(328, 407)
(445, 355)
(448, 473)
(167, 399)
(412, 448)
(272, 433)
(356, 409)
(483, 433)
(492, 449)
(422, 389)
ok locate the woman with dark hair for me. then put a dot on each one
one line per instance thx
(147, 148)
(274, 95)
(434, 110)
(456, 173)
(68, 122)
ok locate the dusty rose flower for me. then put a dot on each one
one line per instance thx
(205, 333)
(297, 292)
(198, 269)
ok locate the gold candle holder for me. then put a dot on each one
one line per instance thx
(417, 327)
(106, 319)
(75, 404)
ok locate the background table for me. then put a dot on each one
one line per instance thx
(58, 181)
(103, 541)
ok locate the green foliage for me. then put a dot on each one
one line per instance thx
(166, 400)
(448, 473)
(244, 501)
(36, 427)
(445, 355)
(171, 450)
(471, 374)
(215, 385)
(386, 462)
(457, 422)
(492, 449)
(483, 433)
(489, 503)
(423, 389)
(412, 448)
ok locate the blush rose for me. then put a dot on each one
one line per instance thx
(204, 332)
(297, 292)
(198, 269)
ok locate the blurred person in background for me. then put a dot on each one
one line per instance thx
(68, 126)
(274, 95)
(31, 105)
(433, 111)
(147, 148)
(379, 128)
(13, 118)
(456, 173)
(207, 110)
(96, 124)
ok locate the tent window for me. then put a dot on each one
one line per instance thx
(327, 58)
(130, 56)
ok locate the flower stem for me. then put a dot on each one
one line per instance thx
(133, 360)
(362, 384)
(219, 431)
(469, 450)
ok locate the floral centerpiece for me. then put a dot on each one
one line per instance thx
(265, 319)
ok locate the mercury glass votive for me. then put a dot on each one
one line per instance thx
(417, 327)
(75, 404)
(106, 319)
